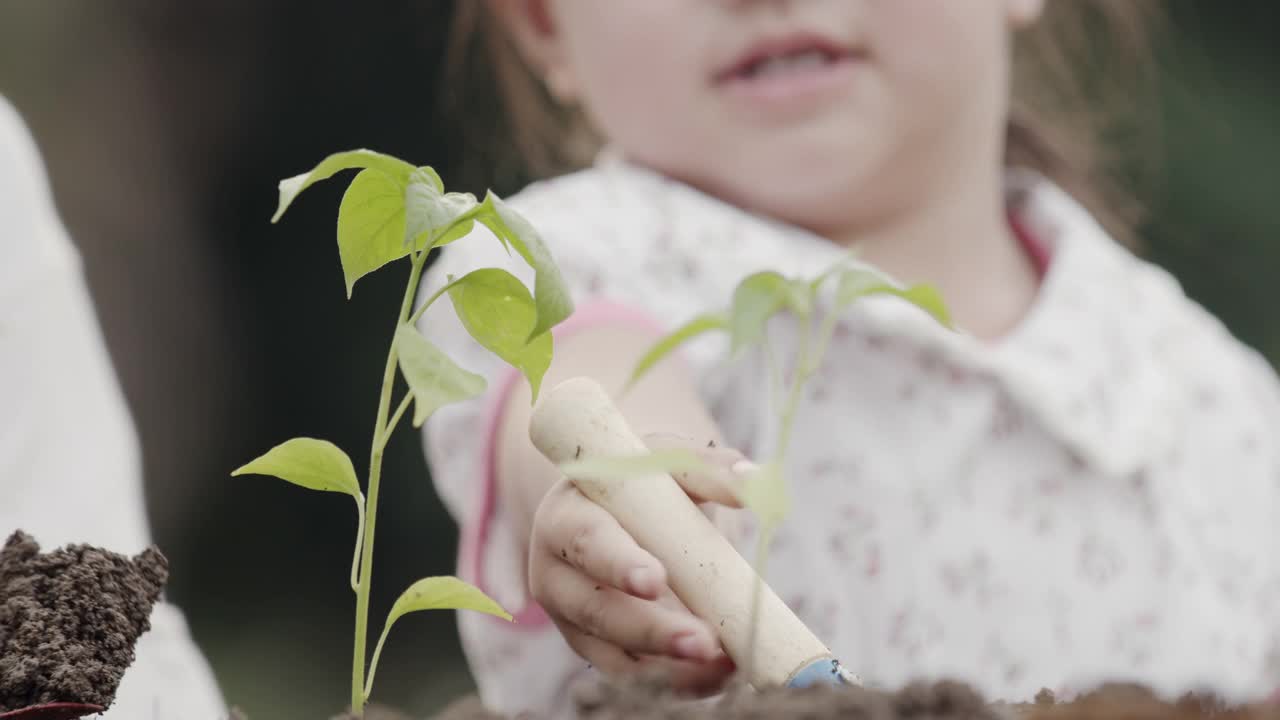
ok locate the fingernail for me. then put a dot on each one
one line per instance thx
(642, 581)
(689, 647)
(744, 467)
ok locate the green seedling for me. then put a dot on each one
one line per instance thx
(394, 211)
(757, 299)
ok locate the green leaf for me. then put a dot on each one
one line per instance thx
(392, 167)
(429, 211)
(310, 463)
(800, 297)
(457, 232)
(443, 593)
(755, 300)
(433, 593)
(428, 173)
(764, 493)
(856, 284)
(667, 344)
(928, 299)
(551, 295)
(651, 463)
(371, 223)
(316, 465)
(834, 268)
(434, 379)
(498, 311)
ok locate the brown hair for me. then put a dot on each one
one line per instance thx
(1079, 115)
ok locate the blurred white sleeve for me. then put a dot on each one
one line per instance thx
(70, 469)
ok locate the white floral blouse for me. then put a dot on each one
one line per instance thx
(1093, 497)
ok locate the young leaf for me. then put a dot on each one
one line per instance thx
(317, 465)
(800, 296)
(927, 298)
(666, 345)
(290, 188)
(427, 210)
(765, 494)
(498, 311)
(856, 284)
(310, 463)
(551, 295)
(834, 268)
(434, 379)
(433, 593)
(755, 300)
(651, 463)
(371, 222)
(428, 173)
(457, 232)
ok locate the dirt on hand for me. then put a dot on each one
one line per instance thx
(69, 620)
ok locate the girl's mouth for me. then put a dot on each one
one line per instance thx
(787, 68)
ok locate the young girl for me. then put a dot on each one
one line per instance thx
(1081, 485)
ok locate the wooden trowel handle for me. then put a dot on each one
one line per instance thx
(577, 419)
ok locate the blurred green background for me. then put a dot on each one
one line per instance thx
(166, 126)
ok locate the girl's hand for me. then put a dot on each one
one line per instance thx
(610, 598)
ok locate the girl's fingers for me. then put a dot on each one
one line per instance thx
(604, 656)
(585, 536)
(684, 676)
(722, 483)
(640, 627)
(698, 678)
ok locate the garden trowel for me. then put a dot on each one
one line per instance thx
(577, 420)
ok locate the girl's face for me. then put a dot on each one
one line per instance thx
(826, 113)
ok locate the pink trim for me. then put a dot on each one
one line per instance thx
(475, 534)
(1032, 244)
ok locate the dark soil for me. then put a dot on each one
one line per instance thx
(69, 620)
(641, 700)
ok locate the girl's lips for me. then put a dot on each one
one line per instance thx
(781, 71)
(781, 46)
(790, 84)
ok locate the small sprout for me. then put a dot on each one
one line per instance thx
(756, 299)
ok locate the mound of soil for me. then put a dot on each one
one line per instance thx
(69, 620)
(644, 700)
